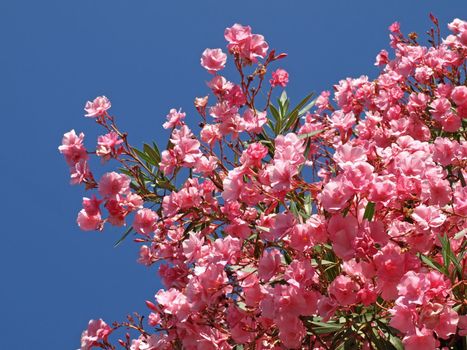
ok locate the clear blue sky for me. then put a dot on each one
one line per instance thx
(144, 55)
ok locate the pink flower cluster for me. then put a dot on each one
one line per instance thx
(341, 225)
(242, 42)
(280, 77)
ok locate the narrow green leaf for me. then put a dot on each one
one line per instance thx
(396, 342)
(307, 204)
(125, 235)
(307, 107)
(325, 327)
(302, 103)
(310, 134)
(274, 112)
(291, 119)
(445, 247)
(156, 158)
(369, 211)
(142, 155)
(283, 98)
(432, 264)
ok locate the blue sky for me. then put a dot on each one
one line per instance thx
(143, 55)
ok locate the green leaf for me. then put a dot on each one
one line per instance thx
(396, 342)
(154, 156)
(307, 204)
(325, 327)
(274, 112)
(310, 134)
(302, 103)
(433, 264)
(283, 98)
(381, 343)
(142, 155)
(307, 107)
(369, 211)
(287, 257)
(241, 305)
(291, 119)
(125, 235)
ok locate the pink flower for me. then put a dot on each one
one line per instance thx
(347, 155)
(253, 121)
(382, 58)
(210, 134)
(174, 118)
(249, 46)
(279, 77)
(421, 339)
(342, 232)
(80, 173)
(404, 318)
(97, 331)
(186, 147)
(206, 165)
(98, 107)
(174, 302)
(107, 145)
(335, 195)
(72, 148)
(145, 221)
(269, 264)
(283, 225)
(91, 205)
(213, 60)
(254, 154)
(291, 331)
(87, 222)
(440, 107)
(113, 184)
(237, 34)
(344, 290)
(192, 247)
(428, 216)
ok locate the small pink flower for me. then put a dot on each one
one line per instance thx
(174, 118)
(249, 46)
(107, 145)
(91, 205)
(72, 148)
(88, 222)
(269, 264)
(344, 290)
(342, 232)
(428, 216)
(145, 221)
(237, 33)
(421, 339)
(98, 107)
(112, 184)
(213, 60)
(382, 58)
(335, 195)
(80, 173)
(279, 77)
(97, 330)
(192, 247)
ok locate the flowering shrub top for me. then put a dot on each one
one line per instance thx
(334, 224)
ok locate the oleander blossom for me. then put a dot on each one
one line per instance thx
(275, 223)
(213, 60)
(98, 107)
(280, 77)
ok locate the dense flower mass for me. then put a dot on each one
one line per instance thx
(337, 223)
